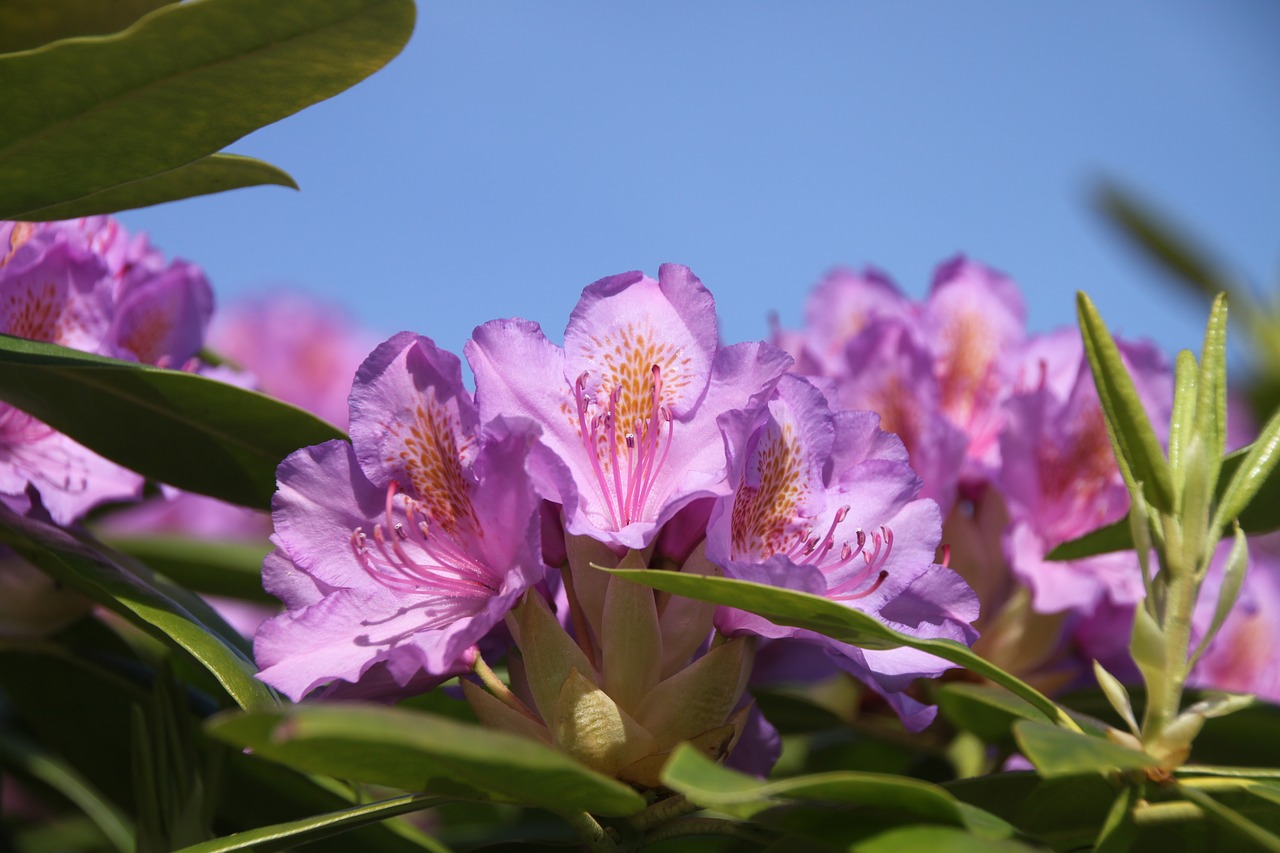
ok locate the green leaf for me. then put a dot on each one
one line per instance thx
(1232, 819)
(1055, 751)
(31, 762)
(183, 83)
(1211, 387)
(1119, 831)
(1160, 241)
(1252, 484)
(936, 839)
(988, 712)
(1186, 373)
(424, 752)
(212, 174)
(802, 610)
(198, 434)
(1138, 451)
(27, 24)
(168, 613)
(710, 785)
(285, 836)
(213, 567)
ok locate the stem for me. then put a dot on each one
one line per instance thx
(709, 826)
(661, 812)
(501, 692)
(593, 835)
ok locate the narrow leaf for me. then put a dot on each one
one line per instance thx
(212, 174)
(989, 712)
(1137, 449)
(1211, 389)
(1228, 593)
(179, 428)
(139, 600)
(1057, 752)
(1232, 819)
(802, 610)
(1119, 831)
(31, 762)
(1186, 373)
(182, 84)
(28, 24)
(214, 567)
(710, 785)
(285, 836)
(415, 751)
(1161, 242)
(1117, 696)
(1252, 484)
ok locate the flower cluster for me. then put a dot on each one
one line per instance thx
(1006, 430)
(455, 526)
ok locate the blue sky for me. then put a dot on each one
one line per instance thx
(517, 151)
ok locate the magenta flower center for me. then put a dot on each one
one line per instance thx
(407, 553)
(626, 444)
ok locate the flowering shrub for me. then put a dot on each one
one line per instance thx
(890, 581)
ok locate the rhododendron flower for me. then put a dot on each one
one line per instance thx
(1059, 475)
(404, 548)
(631, 404)
(826, 503)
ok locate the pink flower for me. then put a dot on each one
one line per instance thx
(826, 503)
(406, 547)
(630, 406)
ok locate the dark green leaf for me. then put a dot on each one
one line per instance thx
(213, 174)
(187, 81)
(1119, 831)
(285, 836)
(988, 712)
(422, 752)
(1232, 819)
(27, 24)
(1161, 242)
(191, 432)
(802, 610)
(708, 784)
(936, 839)
(1137, 448)
(214, 567)
(1057, 752)
(30, 762)
(189, 624)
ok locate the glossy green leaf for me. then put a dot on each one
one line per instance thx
(802, 610)
(31, 762)
(179, 428)
(27, 24)
(713, 786)
(1231, 819)
(285, 836)
(1138, 450)
(168, 613)
(423, 752)
(213, 174)
(183, 83)
(1055, 751)
(988, 712)
(214, 567)
(936, 839)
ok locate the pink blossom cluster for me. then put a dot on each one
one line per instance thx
(1006, 430)
(452, 520)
